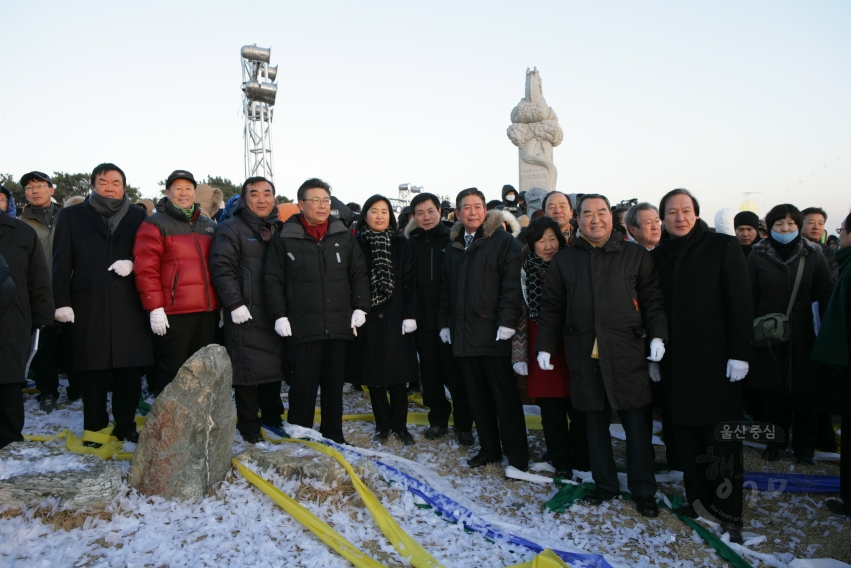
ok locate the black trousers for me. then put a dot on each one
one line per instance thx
(713, 472)
(152, 371)
(641, 478)
(797, 410)
(497, 409)
(186, 334)
(44, 365)
(126, 390)
(315, 364)
(825, 434)
(392, 414)
(439, 368)
(11, 413)
(250, 398)
(65, 353)
(845, 462)
(567, 445)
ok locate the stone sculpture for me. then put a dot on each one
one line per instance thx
(535, 131)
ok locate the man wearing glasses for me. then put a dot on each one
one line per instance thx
(317, 292)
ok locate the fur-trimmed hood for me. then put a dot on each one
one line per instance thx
(513, 223)
(764, 248)
(493, 221)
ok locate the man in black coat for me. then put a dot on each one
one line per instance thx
(236, 264)
(92, 259)
(710, 314)
(27, 304)
(480, 306)
(602, 295)
(317, 292)
(438, 367)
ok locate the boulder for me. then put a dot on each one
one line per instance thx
(186, 445)
(296, 460)
(31, 472)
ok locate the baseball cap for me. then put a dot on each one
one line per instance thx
(180, 174)
(41, 176)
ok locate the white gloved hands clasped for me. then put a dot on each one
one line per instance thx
(409, 326)
(521, 368)
(358, 319)
(122, 267)
(504, 333)
(657, 350)
(159, 321)
(282, 327)
(445, 336)
(240, 315)
(64, 315)
(655, 372)
(544, 361)
(737, 370)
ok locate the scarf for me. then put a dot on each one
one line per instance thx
(263, 228)
(187, 212)
(315, 231)
(112, 210)
(381, 271)
(831, 345)
(535, 269)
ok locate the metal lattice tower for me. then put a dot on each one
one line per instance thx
(404, 199)
(258, 98)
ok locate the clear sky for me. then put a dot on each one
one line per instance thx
(719, 97)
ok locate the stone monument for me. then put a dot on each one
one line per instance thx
(535, 131)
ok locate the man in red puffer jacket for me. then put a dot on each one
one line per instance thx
(172, 266)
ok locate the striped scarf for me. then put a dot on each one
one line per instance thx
(381, 271)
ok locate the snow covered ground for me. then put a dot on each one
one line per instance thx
(240, 526)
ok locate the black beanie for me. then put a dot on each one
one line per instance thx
(748, 218)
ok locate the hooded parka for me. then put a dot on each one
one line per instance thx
(609, 294)
(236, 262)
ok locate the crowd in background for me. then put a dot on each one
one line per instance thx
(562, 301)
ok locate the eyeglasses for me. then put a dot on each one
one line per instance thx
(35, 186)
(839, 230)
(319, 200)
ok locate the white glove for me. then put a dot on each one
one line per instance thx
(504, 333)
(64, 315)
(655, 372)
(657, 350)
(445, 336)
(122, 267)
(409, 326)
(736, 370)
(159, 321)
(358, 319)
(521, 368)
(240, 315)
(282, 327)
(221, 317)
(544, 361)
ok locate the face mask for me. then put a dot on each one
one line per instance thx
(509, 197)
(784, 238)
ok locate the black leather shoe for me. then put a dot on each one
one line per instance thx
(646, 506)
(598, 496)
(465, 438)
(381, 437)
(771, 453)
(837, 507)
(47, 404)
(687, 511)
(252, 438)
(478, 461)
(735, 532)
(563, 473)
(436, 432)
(405, 437)
(805, 461)
(131, 437)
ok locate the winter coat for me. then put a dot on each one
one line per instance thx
(172, 261)
(7, 287)
(787, 367)
(429, 250)
(111, 329)
(513, 225)
(709, 307)
(236, 263)
(609, 294)
(12, 210)
(831, 262)
(381, 355)
(29, 304)
(316, 285)
(45, 232)
(480, 289)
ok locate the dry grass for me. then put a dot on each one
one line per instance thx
(61, 520)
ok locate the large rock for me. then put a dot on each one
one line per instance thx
(31, 472)
(295, 460)
(186, 445)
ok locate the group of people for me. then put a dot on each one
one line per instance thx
(597, 311)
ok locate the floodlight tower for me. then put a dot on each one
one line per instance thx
(405, 191)
(258, 98)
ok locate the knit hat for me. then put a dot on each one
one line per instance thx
(748, 218)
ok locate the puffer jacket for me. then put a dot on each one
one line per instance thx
(480, 289)
(611, 295)
(429, 249)
(172, 261)
(45, 228)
